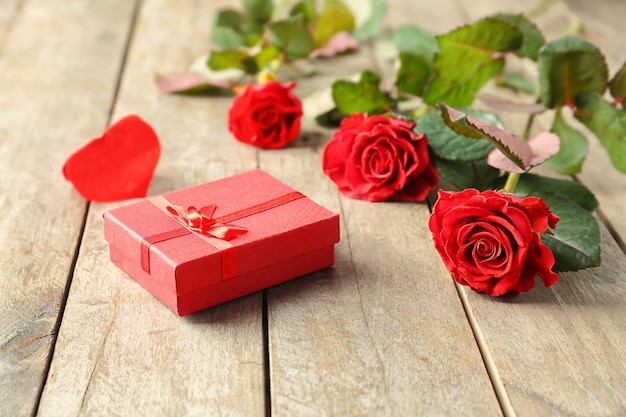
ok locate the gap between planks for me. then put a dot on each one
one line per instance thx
(266, 355)
(120, 73)
(59, 319)
(490, 364)
(66, 292)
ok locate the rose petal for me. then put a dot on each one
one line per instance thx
(543, 146)
(539, 148)
(117, 166)
(498, 160)
(341, 42)
(177, 82)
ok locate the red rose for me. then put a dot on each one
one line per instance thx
(379, 158)
(265, 115)
(490, 241)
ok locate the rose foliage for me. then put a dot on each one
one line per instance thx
(494, 241)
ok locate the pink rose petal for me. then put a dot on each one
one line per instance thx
(338, 44)
(176, 82)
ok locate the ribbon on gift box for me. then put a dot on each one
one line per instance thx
(215, 231)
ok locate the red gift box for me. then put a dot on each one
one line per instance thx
(208, 244)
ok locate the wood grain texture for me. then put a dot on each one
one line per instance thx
(383, 332)
(560, 351)
(55, 94)
(380, 334)
(120, 351)
(9, 10)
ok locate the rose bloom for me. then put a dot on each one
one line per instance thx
(490, 241)
(379, 158)
(265, 115)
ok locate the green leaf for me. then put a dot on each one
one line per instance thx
(371, 27)
(461, 125)
(461, 93)
(575, 242)
(246, 35)
(533, 39)
(517, 82)
(607, 122)
(259, 61)
(227, 38)
(466, 174)
(370, 77)
(567, 67)
(229, 18)
(413, 74)
(617, 86)
(573, 148)
(230, 58)
(416, 41)
(362, 97)
(469, 57)
(259, 11)
(200, 66)
(540, 186)
(252, 33)
(306, 8)
(226, 32)
(331, 118)
(448, 144)
(335, 17)
(417, 49)
(291, 37)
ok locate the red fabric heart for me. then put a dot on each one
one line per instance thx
(117, 166)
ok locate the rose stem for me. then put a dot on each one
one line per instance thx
(511, 182)
(513, 178)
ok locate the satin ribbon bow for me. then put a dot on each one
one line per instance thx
(202, 221)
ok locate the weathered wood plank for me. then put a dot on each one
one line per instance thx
(560, 351)
(55, 94)
(382, 333)
(9, 9)
(119, 349)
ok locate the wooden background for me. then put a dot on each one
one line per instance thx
(386, 332)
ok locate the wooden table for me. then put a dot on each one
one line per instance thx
(386, 332)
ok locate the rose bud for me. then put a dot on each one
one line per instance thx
(379, 158)
(265, 115)
(490, 241)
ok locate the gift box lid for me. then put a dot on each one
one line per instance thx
(279, 224)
